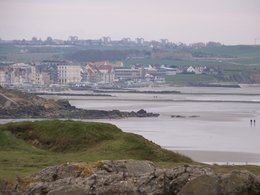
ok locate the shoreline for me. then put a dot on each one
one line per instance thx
(152, 99)
(227, 157)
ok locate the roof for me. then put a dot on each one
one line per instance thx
(107, 68)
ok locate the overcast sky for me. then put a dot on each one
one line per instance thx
(226, 21)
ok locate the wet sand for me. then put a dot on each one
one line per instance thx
(221, 157)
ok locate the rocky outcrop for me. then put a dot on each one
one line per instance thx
(132, 177)
(16, 104)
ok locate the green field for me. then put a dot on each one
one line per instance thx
(190, 78)
(170, 62)
(224, 55)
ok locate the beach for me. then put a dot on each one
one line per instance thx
(213, 124)
(210, 125)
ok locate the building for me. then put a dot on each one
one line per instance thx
(91, 74)
(40, 75)
(18, 74)
(190, 69)
(69, 74)
(126, 41)
(116, 64)
(128, 74)
(164, 41)
(163, 71)
(196, 69)
(107, 74)
(51, 67)
(151, 71)
(2, 76)
(139, 41)
(106, 40)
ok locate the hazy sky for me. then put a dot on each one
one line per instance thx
(227, 21)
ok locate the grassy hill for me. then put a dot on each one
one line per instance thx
(26, 147)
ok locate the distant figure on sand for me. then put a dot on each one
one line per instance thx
(251, 121)
(254, 122)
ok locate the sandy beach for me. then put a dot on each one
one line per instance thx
(220, 157)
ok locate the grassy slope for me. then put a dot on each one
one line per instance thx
(71, 141)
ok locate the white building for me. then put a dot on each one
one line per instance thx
(196, 70)
(128, 74)
(191, 69)
(69, 74)
(20, 74)
(2, 77)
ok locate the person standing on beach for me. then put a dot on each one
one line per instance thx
(251, 122)
(254, 123)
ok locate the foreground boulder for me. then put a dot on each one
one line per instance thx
(132, 177)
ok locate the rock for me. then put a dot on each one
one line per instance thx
(16, 104)
(239, 182)
(133, 177)
(235, 183)
(143, 113)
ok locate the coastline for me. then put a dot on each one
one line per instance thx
(202, 156)
(227, 157)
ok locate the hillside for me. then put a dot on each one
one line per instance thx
(17, 104)
(29, 146)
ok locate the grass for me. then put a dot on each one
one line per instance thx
(175, 62)
(226, 168)
(225, 55)
(190, 78)
(27, 147)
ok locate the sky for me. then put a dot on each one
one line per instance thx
(227, 21)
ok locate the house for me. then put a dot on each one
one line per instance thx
(199, 69)
(163, 71)
(151, 71)
(107, 74)
(91, 74)
(40, 76)
(19, 74)
(117, 64)
(50, 66)
(128, 74)
(190, 69)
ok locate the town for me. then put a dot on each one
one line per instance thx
(54, 73)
